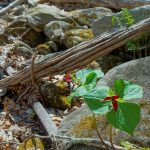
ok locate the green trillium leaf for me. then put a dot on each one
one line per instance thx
(96, 106)
(91, 79)
(126, 117)
(81, 74)
(119, 86)
(132, 91)
(94, 99)
(127, 91)
(98, 92)
(79, 91)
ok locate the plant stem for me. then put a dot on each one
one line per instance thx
(111, 138)
(98, 133)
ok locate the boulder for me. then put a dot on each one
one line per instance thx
(104, 24)
(42, 14)
(87, 16)
(29, 36)
(4, 39)
(108, 62)
(80, 124)
(55, 30)
(54, 96)
(47, 48)
(76, 36)
(18, 10)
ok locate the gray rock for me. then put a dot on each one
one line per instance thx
(76, 36)
(22, 49)
(3, 39)
(42, 14)
(55, 30)
(52, 96)
(105, 23)
(47, 48)
(87, 16)
(79, 124)
(18, 10)
(108, 62)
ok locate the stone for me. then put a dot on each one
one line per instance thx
(18, 10)
(87, 16)
(53, 97)
(55, 30)
(18, 22)
(4, 39)
(109, 61)
(79, 123)
(21, 49)
(104, 24)
(76, 36)
(47, 48)
(42, 14)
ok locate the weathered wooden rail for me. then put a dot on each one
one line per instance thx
(79, 55)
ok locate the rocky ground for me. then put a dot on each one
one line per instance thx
(47, 30)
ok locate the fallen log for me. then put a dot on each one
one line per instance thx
(79, 55)
(113, 4)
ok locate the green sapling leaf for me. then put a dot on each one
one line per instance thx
(91, 80)
(94, 100)
(81, 74)
(127, 91)
(126, 117)
(78, 92)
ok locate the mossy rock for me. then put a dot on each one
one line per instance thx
(55, 30)
(87, 16)
(33, 143)
(76, 36)
(42, 14)
(104, 23)
(54, 97)
(47, 48)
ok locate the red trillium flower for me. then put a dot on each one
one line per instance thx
(114, 101)
(67, 78)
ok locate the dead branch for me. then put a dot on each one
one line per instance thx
(45, 119)
(79, 55)
(73, 140)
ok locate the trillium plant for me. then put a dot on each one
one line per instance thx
(114, 102)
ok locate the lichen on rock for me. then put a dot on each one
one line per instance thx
(76, 36)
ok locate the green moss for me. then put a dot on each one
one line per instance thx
(85, 128)
(74, 37)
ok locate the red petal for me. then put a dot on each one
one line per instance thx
(67, 77)
(115, 105)
(107, 98)
(116, 97)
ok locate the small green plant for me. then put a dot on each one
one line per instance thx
(112, 102)
(126, 19)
